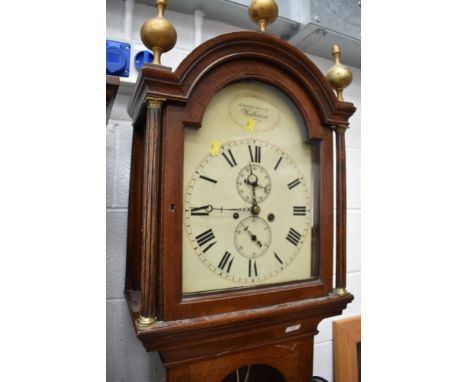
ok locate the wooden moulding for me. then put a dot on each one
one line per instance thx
(186, 340)
(346, 336)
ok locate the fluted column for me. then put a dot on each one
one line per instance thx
(340, 270)
(152, 142)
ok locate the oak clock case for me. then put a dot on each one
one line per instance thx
(248, 181)
(230, 225)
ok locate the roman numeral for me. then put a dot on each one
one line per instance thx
(208, 179)
(278, 258)
(299, 211)
(205, 238)
(199, 211)
(293, 184)
(293, 236)
(253, 268)
(232, 161)
(224, 261)
(255, 157)
(278, 163)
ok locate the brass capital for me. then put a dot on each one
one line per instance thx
(338, 128)
(152, 102)
(341, 128)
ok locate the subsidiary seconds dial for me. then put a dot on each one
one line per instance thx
(252, 237)
(253, 183)
(247, 211)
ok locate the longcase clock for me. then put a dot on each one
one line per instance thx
(230, 225)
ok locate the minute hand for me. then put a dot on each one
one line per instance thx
(206, 209)
(232, 209)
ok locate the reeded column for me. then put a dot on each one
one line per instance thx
(340, 159)
(339, 76)
(152, 143)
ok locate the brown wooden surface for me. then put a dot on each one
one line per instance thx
(209, 335)
(112, 86)
(150, 212)
(292, 358)
(346, 335)
(255, 373)
(340, 209)
(194, 333)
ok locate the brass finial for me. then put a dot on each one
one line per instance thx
(158, 34)
(339, 76)
(263, 13)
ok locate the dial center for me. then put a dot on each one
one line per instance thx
(252, 180)
(255, 210)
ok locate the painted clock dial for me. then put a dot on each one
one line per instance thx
(247, 211)
(248, 192)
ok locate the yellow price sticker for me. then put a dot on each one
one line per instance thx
(250, 125)
(215, 147)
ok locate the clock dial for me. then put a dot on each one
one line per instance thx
(252, 237)
(253, 183)
(248, 193)
(247, 222)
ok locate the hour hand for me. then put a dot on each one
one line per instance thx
(246, 181)
(253, 237)
(201, 211)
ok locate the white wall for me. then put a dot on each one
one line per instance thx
(127, 361)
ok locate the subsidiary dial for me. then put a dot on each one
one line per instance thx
(252, 237)
(253, 183)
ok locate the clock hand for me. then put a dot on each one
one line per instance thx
(252, 184)
(252, 179)
(255, 209)
(205, 210)
(254, 197)
(253, 237)
(231, 209)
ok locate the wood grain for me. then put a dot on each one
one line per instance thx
(291, 358)
(340, 209)
(346, 335)
(150, 213)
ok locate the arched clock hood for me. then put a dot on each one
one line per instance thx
(221, 58)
